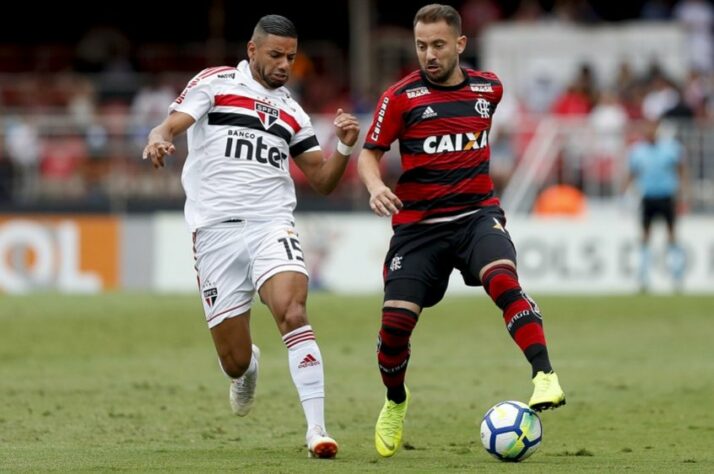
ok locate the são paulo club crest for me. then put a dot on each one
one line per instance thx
(210, 293)
(268, 115)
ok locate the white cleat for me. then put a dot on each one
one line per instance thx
(242, 390)
(320, 444)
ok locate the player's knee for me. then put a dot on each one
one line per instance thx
(235, 362)
(294, 316)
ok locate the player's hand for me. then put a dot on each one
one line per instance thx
(347, 127)
(384, 202)
(156, 152)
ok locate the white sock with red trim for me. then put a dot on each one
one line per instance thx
(305, 362)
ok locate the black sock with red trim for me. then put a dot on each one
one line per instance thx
(393, 349)
(520, 313)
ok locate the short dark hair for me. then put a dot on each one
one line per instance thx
(276, 25)
(436, 12)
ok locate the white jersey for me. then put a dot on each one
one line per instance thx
(238, 148)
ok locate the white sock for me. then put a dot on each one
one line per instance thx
(677, 261)
(305, 362)
(253, 364)
(645, 260)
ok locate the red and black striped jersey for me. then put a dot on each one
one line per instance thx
(443, 134)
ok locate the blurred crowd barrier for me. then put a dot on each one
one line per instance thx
(51, 163)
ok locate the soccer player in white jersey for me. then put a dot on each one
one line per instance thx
(242, 125)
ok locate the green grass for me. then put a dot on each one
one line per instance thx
(131, 382)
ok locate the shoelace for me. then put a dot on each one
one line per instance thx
(243, 386)
(544, 385)
(316, 433)
(393, 422)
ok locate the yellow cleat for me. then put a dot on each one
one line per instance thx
(390, 424)
(547, 392)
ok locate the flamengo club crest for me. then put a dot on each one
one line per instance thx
(268, 115)
(483, 107)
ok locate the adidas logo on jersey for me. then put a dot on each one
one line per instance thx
(428, 113)
(308, 361)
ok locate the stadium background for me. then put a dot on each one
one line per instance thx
(78, 97)
(104, 358)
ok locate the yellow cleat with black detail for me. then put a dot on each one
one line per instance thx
(547, 393)
(390, 425)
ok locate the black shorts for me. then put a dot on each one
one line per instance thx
(421, 257)
(655, 207)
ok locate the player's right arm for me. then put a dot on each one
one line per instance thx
(385, 129)
(161, 137)
(382, 200)
(196, 100)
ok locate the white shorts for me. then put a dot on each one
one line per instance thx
(234, 259)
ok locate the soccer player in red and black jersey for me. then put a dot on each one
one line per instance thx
(444, 212)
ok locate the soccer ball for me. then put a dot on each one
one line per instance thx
(511, 431)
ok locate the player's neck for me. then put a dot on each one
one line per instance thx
(258, 78)
(456, 78)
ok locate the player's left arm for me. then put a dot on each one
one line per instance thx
(323, 175)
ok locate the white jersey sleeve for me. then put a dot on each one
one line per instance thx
(197, 98)
(305, 139)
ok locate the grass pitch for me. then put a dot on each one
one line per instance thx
(131, 382)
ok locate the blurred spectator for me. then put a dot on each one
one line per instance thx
(106, 52)
(697, 16)
(476, 15)
(23, 149)
(60, 168)
(542, 90)
(656, 10)
(661, 97)
(697, 92)
(574, 11)
(98, 47)
(82, 101)
(579, 96)
(151, 104)
(528, 11)
(624, 79)
(609, 121)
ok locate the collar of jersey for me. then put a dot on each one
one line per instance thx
(455, 87)
(244, 70)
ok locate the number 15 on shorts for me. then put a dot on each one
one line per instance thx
(292, 248)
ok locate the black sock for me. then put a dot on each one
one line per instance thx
(537, 355)
(397, 394)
